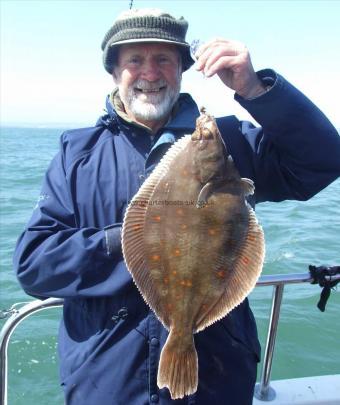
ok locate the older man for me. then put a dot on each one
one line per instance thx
(109, 340)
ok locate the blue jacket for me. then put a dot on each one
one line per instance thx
(110, 341)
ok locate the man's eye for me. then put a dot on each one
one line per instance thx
(134, 61)
(163, 59)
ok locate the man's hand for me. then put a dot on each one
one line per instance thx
(231, 61)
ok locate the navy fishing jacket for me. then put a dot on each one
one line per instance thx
(109, 342)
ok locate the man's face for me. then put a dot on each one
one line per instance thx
(149, 79)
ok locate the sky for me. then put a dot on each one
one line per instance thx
(51, 61)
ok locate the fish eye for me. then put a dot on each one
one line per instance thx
(214, 157)
(207, 134)
(196, 136)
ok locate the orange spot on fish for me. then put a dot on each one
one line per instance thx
(174, 272)
(166, 280)
(185, 172)
(184, 226)
(169, 305)
(177, 252)
(179, 211)
(212, 231)
(155, 258)
(137, 227)
(157, 218)
(245, 260)
(186, 283)
(221, 274)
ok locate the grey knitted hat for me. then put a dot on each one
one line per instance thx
(145, 25)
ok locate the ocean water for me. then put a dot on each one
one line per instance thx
(297, 234)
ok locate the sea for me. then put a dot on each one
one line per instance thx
(297, 234)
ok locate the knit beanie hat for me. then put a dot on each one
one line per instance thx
(145, 25)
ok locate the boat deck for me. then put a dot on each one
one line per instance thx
(322, 390)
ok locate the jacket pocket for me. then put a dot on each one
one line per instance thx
(242, 335)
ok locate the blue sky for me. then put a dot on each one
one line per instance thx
(51, 69)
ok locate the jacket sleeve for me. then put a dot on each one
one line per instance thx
(55, 258)
(296, 150)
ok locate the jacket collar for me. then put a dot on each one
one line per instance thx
(183, 121)
(185, 117)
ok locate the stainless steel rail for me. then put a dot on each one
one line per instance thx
(18, 315)
(263, 391)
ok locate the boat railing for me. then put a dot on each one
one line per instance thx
(263, 390)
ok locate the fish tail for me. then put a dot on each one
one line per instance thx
(178, 365)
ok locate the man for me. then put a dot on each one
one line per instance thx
(110, 341)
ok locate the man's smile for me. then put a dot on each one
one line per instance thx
(153, 90)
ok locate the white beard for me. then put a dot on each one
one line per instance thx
(151, 106)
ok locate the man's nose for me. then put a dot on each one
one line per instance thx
(151, 71)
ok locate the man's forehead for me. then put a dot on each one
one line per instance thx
(147, 48)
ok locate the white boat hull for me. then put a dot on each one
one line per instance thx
(322, 390)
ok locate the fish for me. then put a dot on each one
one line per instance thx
(193, 246)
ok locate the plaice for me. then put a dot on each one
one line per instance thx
(193, 246)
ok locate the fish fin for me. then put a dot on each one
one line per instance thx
(204, 194)
(178, 365)
(246, 271)
(248, 186)
(133, 230)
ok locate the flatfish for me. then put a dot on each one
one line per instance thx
(193, 246)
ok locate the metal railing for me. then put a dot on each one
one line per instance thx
(18, 315)
(263, 391)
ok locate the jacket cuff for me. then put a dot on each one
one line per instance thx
(113, 239)
(282, 103)
(268, 77)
